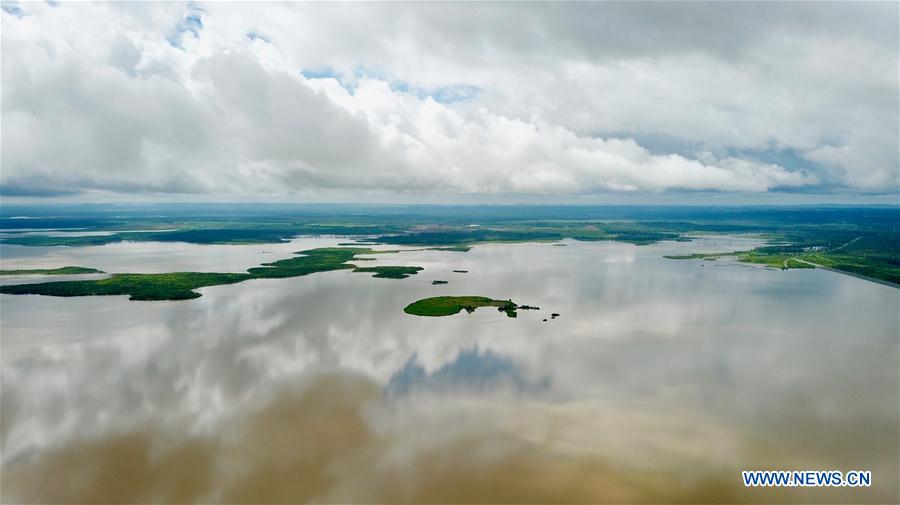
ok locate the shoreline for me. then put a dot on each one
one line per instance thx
(852, 274)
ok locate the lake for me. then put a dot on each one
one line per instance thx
(660, 380)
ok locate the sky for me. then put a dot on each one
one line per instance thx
(439, 103)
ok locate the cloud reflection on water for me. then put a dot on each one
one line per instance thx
(658, 383)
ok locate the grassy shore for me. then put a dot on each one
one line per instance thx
(700, 256)
(782, 261)
(873, 264)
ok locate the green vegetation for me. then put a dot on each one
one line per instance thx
(456, 248)
(244, 232)
(448, 305)
(781, 261)
(700, 256)
(863, 241)
(793, 263)
(405, 232)
(181, 285)
(194, 236)
(42, 240)
(390, 272)
(171, 286)
(635, 233)
(868, 254)
(311, 261)
(873, 266)
(52, 271)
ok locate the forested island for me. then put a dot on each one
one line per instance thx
(439, 306)
(182, 285)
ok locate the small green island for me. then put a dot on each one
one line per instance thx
(390, 272)
(53, 271)
(181, 285)
(439, 306)
(453, 248)
(698, 256)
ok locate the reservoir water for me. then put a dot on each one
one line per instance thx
(659, 382)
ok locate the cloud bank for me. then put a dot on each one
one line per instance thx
(437, 99)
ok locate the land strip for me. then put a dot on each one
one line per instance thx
(182, 285)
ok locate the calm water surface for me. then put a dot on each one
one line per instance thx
(659, 382)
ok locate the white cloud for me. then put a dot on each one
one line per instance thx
(557, 99)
